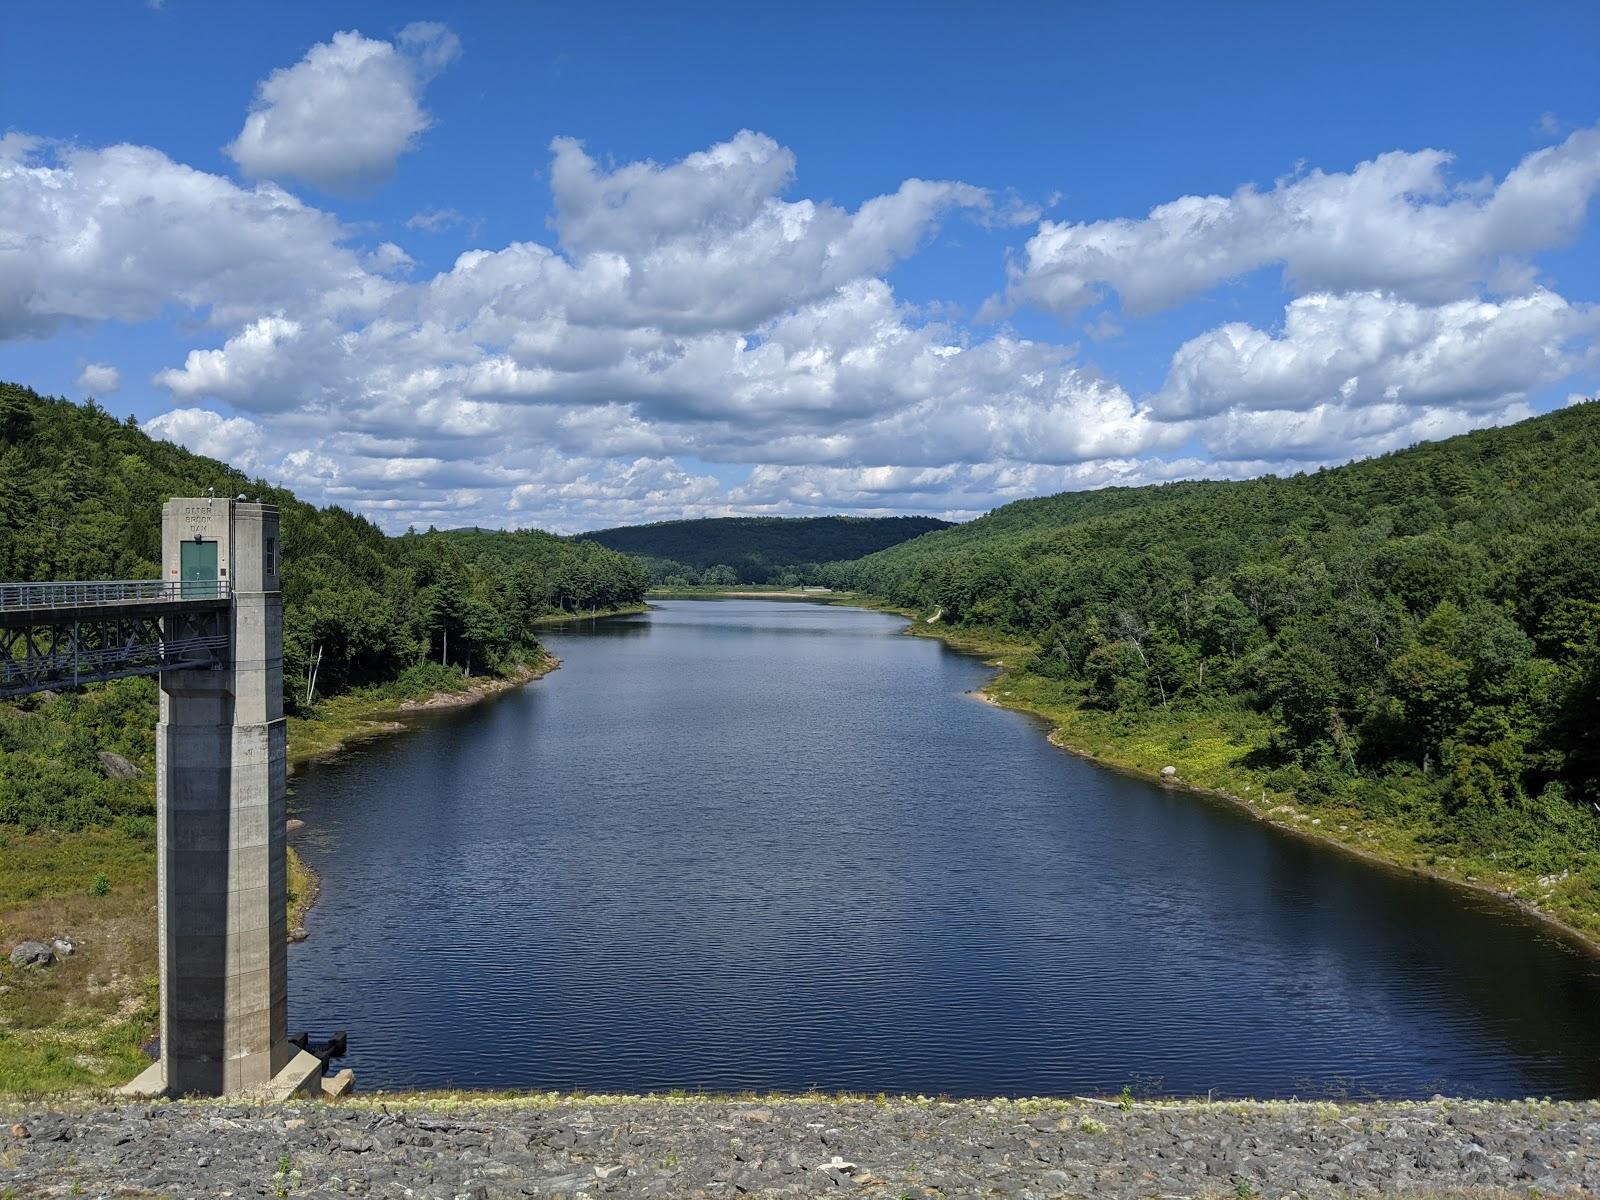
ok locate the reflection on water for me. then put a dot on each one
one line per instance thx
(751, 844)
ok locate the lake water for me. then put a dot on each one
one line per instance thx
(750, 844)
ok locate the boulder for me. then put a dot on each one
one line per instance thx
(64, 946)
(117, 767)
(31, 954)
(1169, 772)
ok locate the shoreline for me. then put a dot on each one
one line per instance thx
(63, 1031)
(370, 719)
(371, 724)
(1581, 940)
(1284, 815)
(746, 593)
(565, 618)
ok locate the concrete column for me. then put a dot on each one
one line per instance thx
(258, 949)
(221, 788)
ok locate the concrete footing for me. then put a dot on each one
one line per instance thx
(341, 1084)
(302, 1077)
(148, 1084)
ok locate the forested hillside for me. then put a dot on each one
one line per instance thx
(726, 550)
(80, 498)
(556, 575)
(1420, 632)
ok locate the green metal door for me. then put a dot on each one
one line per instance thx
(199, 564)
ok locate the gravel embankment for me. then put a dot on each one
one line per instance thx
(571, 1147)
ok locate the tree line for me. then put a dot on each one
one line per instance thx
(80, 498)
(724, 551)
(1422, 629)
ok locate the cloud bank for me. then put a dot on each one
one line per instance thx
(698, 337)
(1396, 223)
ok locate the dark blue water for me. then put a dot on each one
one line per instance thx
(770, 845)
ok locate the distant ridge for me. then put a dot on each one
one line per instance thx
(757, 549)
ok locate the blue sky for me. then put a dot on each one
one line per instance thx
(960, 254)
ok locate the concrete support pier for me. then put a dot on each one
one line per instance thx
(221, 785)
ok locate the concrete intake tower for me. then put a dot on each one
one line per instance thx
(222, 768)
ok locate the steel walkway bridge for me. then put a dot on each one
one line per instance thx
(61, 635)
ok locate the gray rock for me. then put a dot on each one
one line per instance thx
(64, 946)
(805, 1148)
(117, 767)
(1535, 1168)
(31, 954)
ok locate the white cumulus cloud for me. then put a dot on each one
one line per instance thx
(709, 242)
(268, 366)
(341, 117)
(234, 440)
(1395, 223)
(99, 379)
(122, 232)
(1370, 348)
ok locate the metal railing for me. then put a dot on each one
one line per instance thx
(103, 593)
(71, 668)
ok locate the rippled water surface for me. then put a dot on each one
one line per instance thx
(748, 844)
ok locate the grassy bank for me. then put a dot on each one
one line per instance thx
(369, 712)
(1216, 750)
(82, 1022)
(589, 614)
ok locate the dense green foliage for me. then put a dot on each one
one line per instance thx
(80, 498)
(553, 574)
(720, 551)
(1422, 628)
(50, 771)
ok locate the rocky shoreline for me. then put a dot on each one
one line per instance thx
(573, 1146)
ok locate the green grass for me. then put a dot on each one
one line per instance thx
(36, 866)
(589, 615)
(77, 1053)
(80, 1023)
(368, 712)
